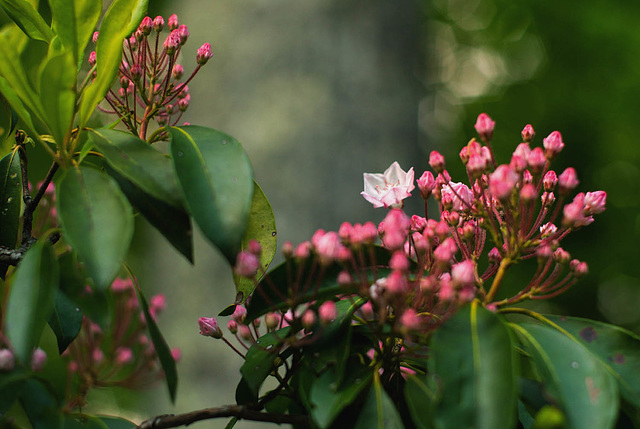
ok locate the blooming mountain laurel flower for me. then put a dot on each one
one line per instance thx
(389, 188)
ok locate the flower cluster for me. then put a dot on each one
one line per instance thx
(150, 75)
(117, 354)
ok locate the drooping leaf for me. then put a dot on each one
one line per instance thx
(173, 223)
(584, 389)
(65, 320)
(31, 299)
(419, 397)
(473, 361)
(10, 199)
(121, 19)
(379, 412)
(74, 22)
(278, 288)
(618, 349)
(260, 357)
(262, 228)
(138, 162)
(97, 221)
(216, 179)
(329, 397)
(162, 349)
(28, 19)
(58, 77)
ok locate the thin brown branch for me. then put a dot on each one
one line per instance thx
(241, 412)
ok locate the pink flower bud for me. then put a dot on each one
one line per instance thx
(426, 184)
(7, 360)
(548, 229)
(94, 37)
(494, 255)
(177, 72)
(92, 58)
(464, 273)
(561, 256)
(581, 269)
(309, 319)
(502, 182)
(172, 43)
(271, 320)
(528, 133)
(369, 233)
(124, 82)
(548, 198)
(184, 34)
(146, 25)
(176, 354)
(158, 303)
(136, 72)
(552, 144)
(327, 312)
(344, 278)
(209, 327)
(158, 23)
(366, 311)
(484, 126)
(568, 181)
(247, 264)
(303, 250)
(436, 161)
(536, 160)
(239, 314)
(173, 22)
(232, 326)
(574, 213)
(396, 229)
(477, 165)
(327, 247)
(550, 180)
(287, 249)
(203, 54)
(446, 292)
(544, 252)
(123, 355)
(527, 177)
(399, 261)
(418, 223)
(528, 193)
(183, 104)
(445, 251)
(121, 285)
(97, 355)
(244, 333)
(410, 320)
(459, 194)
(594, 202)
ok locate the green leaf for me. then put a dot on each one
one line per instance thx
(65, 320)
(215, 176)
(419, 397)
(618, 350)
(138, 162)
(473, 359)
(328, 397)
(260, 357)
(83, 421)
(58, 77)
(262, 228)
(17, 106)
(162, 349)
(117, 422)
(584, 389)
(119, 22)
(10, 200)
(41, 405)
(28, 19)
(173, 223)
(97, 221)
(31, 299)
(379, 412)
(11, 384)
(74, 22)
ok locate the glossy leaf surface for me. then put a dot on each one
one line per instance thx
(138, 162)
(121, 19)
(216, 179)
(262, 228)
(10, 200)
(259, 359)
(28, 19)
(473, 361)
(584, 389)
(97, 221)
(31, 299)
(65, 320)
(618, 349)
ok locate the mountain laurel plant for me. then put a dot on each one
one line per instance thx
(408, 323)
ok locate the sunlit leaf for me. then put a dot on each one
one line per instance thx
(74, 22)
(28, 19)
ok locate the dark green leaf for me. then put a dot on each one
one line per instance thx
(41, 405)
(328, 397)
(420, 398)
(138, 162)
(617, 348)
(379, 412)
(119, 22)
(10, 200)
(260, 358)
(10, 387)
(244, 393)
(584, 389)
(116, 422)
(261, 227)
(83, 421)
(74, 22)
(31, 299)
(97, 221)
(173, 223)
(279, 286)
(473, 358)
(58, 77)
(215, 176)
(162, 349)
(28, 19)
(65, 320)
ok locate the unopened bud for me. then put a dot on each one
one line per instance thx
(308, 319)
(244, 333)
(92, 58)
(173, 22)
(146, 25)
(271, 320)
(553, 144)
(327, 312)
(203, 54)
(158, 23)
(136, 72)
(436, 161)
(568, 181)
(177, 72)
(528, 133)
(209, 327)
(38, 360)
(484, 126)
(183, 32)
(7, 360)
(232, 326)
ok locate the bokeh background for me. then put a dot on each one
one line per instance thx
(320, 91)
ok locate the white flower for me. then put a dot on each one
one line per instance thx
(390, 188)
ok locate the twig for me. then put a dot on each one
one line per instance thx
(238, 411)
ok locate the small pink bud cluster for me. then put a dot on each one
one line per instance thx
(150, 76)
